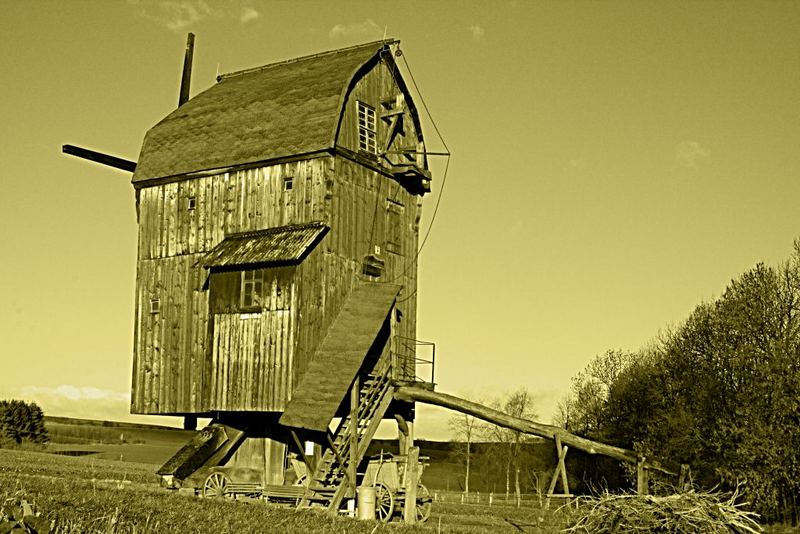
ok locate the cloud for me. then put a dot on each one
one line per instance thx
(248, 14)
(68, 400)
(690, 154)
(79, 402)
(477, 32)
(355, 29)
(576, 164)
(177, 15)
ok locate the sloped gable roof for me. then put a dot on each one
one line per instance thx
(269, 112)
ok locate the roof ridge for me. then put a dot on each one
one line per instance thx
(276, 229)
(385, 42)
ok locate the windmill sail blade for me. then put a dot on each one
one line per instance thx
(99, 157)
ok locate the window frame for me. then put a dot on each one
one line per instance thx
(367, 121)
(251, 289)
(395, 212)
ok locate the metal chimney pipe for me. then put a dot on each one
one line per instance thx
(186, 79)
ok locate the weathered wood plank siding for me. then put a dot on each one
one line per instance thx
(195, 355)
(390, 220)
(172, 348)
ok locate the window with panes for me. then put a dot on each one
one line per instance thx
(367, 129)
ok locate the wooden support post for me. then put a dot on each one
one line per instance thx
(190, 422)
(412, 479)
(683, 479)
(402, 434)
(641, 477)
(354, 422)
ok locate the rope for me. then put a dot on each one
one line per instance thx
(444, 176)
(412, 262)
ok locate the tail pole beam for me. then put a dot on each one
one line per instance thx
(417, 394)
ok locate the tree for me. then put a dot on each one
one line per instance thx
(582, 411)
(465, 429)
(519, 404)
(21, 421)
(721, 391)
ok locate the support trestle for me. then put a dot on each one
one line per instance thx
(559, 472)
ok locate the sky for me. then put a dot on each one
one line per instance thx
(614, 164)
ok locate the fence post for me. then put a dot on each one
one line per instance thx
(491, 498)
(641, 477)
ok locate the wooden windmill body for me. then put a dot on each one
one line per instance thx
(276, 275)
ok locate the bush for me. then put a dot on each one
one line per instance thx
(681, 512)
(21, 421)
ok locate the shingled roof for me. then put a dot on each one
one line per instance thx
(260, 114)
(273, 246)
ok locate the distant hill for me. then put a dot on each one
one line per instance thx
(114, 424)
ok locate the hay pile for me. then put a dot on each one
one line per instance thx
(680, 513)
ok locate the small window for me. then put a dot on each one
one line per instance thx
(395, 206)
(367, 136)
(252, 286)
(394, 226)
(155, 306)
(288, 183)
(192, 203)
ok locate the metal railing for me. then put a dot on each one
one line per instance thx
(408, 347)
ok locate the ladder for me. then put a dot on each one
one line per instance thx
(331, 479)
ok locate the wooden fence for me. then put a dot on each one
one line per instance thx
(480, 498)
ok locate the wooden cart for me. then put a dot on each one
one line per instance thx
(229, 483)
(386, 473)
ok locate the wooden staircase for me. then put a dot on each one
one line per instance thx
(333, 478)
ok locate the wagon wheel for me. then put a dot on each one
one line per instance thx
(216, 485)
(301, 481)
(423, 504)
(384, 503)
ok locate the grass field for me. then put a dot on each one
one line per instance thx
(87, 494)
(98, 477)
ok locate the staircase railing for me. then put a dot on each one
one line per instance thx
(331, 478)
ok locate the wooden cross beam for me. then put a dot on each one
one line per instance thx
(560, 470)
(310, 466)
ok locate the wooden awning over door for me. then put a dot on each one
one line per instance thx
(335, 364)
(284, 245)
